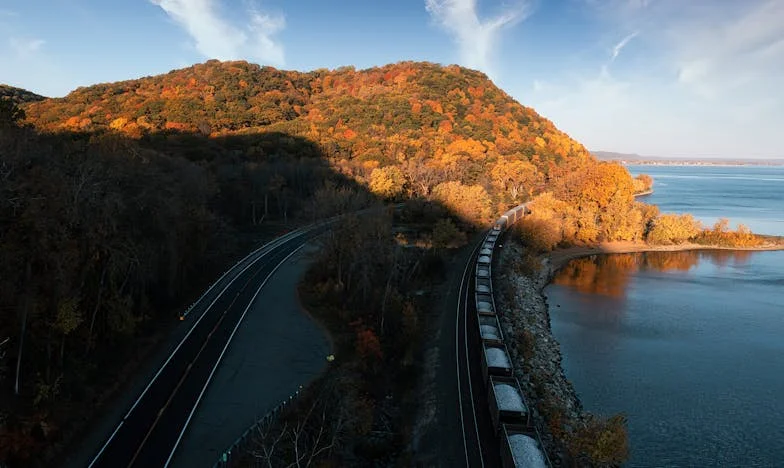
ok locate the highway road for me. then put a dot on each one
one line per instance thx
(480, 445)
(152, 428)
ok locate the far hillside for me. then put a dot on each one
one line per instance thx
(633, 158)
(19, 95)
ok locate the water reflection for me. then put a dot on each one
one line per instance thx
(687, 344)
(609, 275)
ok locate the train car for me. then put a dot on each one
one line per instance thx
(495, 360)
(490, 329)
(484, 259)
(486, 251)
(483, 271)
(507, 404)
(483, 286)
(522, 448)
(514, 215)
(484, 304)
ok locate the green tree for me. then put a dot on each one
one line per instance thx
(10, 113)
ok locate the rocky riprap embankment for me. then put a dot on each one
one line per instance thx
(536, 355)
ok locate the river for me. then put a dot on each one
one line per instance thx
(689, 345)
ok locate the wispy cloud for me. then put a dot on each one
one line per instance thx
(704, 73)
(620, 45)
(476, 38)
(7, 13)
(25, 47)
(216, 37)
(734, 53)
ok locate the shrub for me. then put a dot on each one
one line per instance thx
(539, 235)
(446, 234)
(605, 442)
(673, 229)
(721, 235)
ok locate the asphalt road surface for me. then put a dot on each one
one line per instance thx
(152, 428)
(277, 349)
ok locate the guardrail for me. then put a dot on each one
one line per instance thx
(239, 446)
(241, 442)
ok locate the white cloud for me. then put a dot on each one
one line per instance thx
(476, 38)
(25, 47)
(216, 37)
(703, 79)
(739, 53)
(620, 45)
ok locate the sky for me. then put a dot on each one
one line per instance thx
(675, 78)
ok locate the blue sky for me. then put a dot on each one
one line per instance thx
(655, 77)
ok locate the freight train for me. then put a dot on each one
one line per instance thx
(521, 444)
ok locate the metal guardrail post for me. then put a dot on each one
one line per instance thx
(224, 460)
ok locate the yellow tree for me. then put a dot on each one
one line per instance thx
(387, 181)
(673, 229)
(515, 176)
(470, 202)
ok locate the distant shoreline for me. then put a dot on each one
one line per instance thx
(638, 159)
(559, 258)
(699, 163)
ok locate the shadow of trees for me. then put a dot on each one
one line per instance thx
(104, 239)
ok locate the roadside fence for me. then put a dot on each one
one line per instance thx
(241, 444)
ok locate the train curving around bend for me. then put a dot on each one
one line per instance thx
(521, 443)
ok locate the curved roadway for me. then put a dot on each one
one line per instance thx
(153, 427)
(152, 430)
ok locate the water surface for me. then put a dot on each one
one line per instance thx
(751, 195)
(690, 345)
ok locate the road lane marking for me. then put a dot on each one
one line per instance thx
(277, 241)
(188, 369)
(225, 347)
(280, 241)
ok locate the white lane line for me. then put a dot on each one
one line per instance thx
(468, 371)
(457, 352)
(279, 242)
(276, 241)
(225, 347)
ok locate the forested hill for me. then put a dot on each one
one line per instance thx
(19, 95)
(415, 100)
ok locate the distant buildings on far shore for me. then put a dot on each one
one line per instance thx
(636, 159)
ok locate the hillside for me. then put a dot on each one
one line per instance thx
(19, 95)
(434, 123)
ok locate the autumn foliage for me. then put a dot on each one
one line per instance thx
(720, 234)
(673, 229)
(643, 183)
(402, 130)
